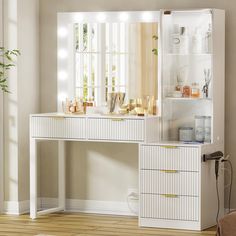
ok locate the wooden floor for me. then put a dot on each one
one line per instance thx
(84, 224)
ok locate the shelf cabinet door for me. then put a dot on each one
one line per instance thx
(116, 129)
(58, 127)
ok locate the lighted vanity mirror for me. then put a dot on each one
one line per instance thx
(108, 52)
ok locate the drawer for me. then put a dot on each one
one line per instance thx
(58, 127)
(172, 182)
(169, 207)
(170, 158)
(116, 129)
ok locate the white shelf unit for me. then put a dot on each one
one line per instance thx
(190, 66)
(177, 189)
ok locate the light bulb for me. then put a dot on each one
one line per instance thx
(147, 16)
(62, 54)
(62, 75)
(101, 17)
(123, 16)
(62, 32)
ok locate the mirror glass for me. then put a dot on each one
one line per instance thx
(115, 57)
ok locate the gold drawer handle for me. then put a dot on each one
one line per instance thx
(169, 147)
(118, 119)
(169, 195)
(57, 117)
(170, 171)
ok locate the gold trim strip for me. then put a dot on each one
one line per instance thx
(169, 147)
(169, 195)
(170, 171)
(118, 119)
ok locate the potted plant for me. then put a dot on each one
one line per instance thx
(6, 63)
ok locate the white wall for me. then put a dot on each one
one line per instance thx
(1, 115)
(84, 165)
(21, 32)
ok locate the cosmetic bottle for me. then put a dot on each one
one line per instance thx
(175, 39)
(184, 41)
(197, 42)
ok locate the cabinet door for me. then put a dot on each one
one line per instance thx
(58, 127)
(171, 207)
(170, 158)
(116, 129)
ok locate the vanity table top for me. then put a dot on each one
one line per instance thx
(61, 115)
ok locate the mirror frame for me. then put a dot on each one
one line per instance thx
(65, 42)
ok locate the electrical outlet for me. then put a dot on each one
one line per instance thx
(133, 194)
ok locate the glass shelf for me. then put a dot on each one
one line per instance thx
(188, 99)
(189, 54)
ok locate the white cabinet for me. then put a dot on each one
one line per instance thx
(192, 55)
(177, 189)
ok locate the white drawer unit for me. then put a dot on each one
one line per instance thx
(169, 181)
(169, 185)
(58, 127)
(177, 189)
(169, 207)
(116, 129)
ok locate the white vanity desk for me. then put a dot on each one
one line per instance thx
(102, 128)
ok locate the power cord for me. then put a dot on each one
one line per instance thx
(218, 201)
(231, 181)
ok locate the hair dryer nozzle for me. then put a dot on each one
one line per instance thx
(213, 156)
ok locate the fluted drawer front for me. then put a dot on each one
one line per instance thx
(171, 182)
(170, 158)
(116, 129)
(58, 127)
(170, 207)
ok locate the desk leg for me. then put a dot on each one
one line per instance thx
(61, 175)
(33, 178)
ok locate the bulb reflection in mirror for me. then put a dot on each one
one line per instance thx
(147, 16)
(101, 17)
(123, 16)
(78, 17)
(62, 32)
(62, 54)
(62, 75)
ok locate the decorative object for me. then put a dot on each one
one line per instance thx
(6, 63)
(205, 89)
(186, 134)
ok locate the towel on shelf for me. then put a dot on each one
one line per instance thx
(227, 225)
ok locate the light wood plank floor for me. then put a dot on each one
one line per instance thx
(65, 224)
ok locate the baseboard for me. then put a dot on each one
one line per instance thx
(15, 207)
(75, 205)
(102, 207)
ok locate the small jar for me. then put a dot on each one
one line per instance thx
(199, 128)
(186, 134)
(207, 129)
(186, 91)
(195, 91)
